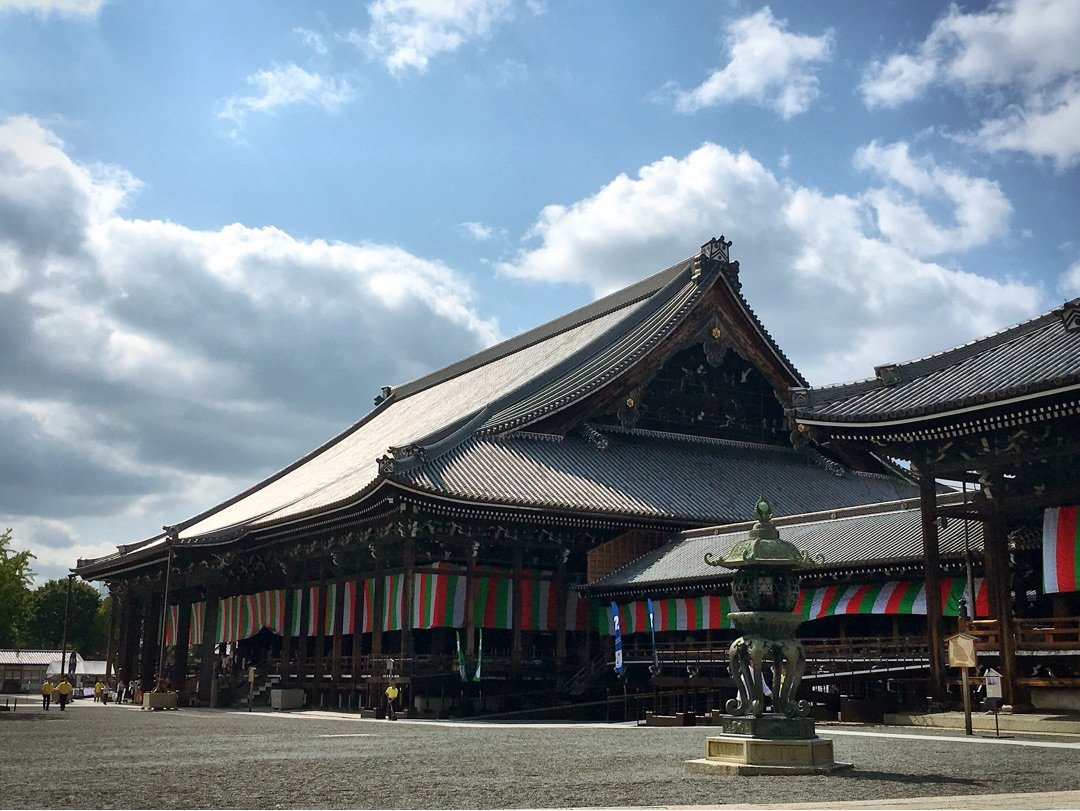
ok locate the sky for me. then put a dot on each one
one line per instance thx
(224, 226)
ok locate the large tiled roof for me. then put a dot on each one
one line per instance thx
(647, 474)
(29, 658)
(445, 433)
(1024, 361)
(880, 534)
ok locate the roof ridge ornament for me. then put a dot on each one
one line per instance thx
(1070, 315)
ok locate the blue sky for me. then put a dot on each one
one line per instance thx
(223, 226)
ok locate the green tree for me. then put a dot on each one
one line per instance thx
(45, 624)
(15, 579)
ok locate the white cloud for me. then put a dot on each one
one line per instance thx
(313, 40)
(1025, 50)
(980, 209)
(407, 34)
(766, 65)
(284, 86)
(146, 363)
(63, 8)
(1069, 285)
(478, 231)
(837, 298)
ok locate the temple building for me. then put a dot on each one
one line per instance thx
(475, 532)
(447, 534)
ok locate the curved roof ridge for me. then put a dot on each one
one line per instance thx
(892, 373)
(596, 309)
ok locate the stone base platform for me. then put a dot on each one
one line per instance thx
(736, 754)
(159, 701)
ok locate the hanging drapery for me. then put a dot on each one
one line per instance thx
(439, 598)
(539, 604)
(1061, 550)
(195, 630)
(348, 621)
(367, 624)
(894, 597)
(703, 613)
(493, 598)
(330, 610)
(393, 601)
(577, 612)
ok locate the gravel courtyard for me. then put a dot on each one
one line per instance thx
(95, 756)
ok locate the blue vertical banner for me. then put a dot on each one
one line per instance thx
(619, 667)
(655, 667)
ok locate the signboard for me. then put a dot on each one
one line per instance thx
(961, 650)
(251, 675)
(993, 683)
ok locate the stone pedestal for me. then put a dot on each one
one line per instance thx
(767, 745)
(286, 698)
(159, 701)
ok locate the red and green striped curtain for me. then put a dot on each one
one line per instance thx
(296, 612)
(708, 612)
(893, 597)
(348, 622)
(577, 612)
(368, 606)
(198, 618)
(297, 622)
(493, 599)
(1061, 550)
(172, 619)
(330, 609)
(439, 598)
(393, 601)
(539, 606)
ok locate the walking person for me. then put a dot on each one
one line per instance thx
(391, 696)
(99, 691)
(64, 689)
(46, 694)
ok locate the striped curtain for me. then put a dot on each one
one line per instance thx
(709, 612)
(296, 612)
(368, 606)
(540, 604)
(172, 621)
(393, 601)
(894, 597)
(330, 609)
(577, 612)
(439, 598)
(198, 618)
(1061, 550)
(348, 622)
(493, 599)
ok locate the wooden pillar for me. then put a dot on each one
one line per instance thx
(148, 655)
(129, 635)
(407, 601)
(932, 580)
(560, 616)
(1001, 607)
(286, 634)
(358, 630)
(180, 654)
(320, 629)
(110, 654)
(208, 647)
(470, 601)
(378, 597)
(302, 637)
(339, 625)
(515, 604)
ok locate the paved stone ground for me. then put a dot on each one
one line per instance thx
(95, 756)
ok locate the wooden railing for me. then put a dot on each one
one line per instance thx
(1049, 634)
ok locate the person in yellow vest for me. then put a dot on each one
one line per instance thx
(392, 693)
(46, 694)
(99, 690)
(64, 689)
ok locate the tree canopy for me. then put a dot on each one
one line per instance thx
(15, 579)
(45, 622)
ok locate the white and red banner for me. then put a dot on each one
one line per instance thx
(1061, 550)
